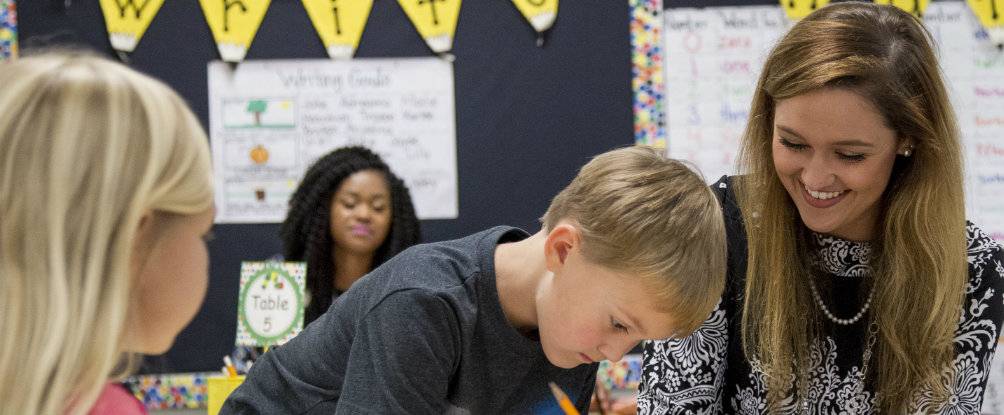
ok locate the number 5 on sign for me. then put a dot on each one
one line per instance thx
(270, 304)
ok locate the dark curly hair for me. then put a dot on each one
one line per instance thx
(306, 234)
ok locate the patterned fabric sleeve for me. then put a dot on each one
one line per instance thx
(686, 376)
(979, 328)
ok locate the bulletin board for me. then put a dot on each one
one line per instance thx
(527, 117)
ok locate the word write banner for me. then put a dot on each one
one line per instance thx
(270, 120)
(713, 57)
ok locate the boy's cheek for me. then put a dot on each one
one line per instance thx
(584, 338)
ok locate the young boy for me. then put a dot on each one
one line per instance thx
(632, 249)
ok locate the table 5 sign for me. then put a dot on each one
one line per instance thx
(270, 305)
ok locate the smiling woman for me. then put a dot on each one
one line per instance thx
(349, 215)
(834, 154)
(855, 283)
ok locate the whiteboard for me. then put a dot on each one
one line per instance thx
(269, 120)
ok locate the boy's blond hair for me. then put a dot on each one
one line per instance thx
(642, 213)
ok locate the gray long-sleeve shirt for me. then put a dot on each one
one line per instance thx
(422, 334)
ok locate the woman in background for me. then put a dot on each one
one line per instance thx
(105, 196)
(349, 215)
(855, 283)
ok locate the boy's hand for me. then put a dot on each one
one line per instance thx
(603, 403)
(624, 406)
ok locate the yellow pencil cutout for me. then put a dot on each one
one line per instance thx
(563, 402)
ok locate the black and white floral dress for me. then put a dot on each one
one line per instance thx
(707, 372)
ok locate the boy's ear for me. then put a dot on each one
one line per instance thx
(559, 243)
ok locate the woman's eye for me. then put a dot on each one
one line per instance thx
(851, 157)
(785, 142)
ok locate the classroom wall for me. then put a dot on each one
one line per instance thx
(527, 117)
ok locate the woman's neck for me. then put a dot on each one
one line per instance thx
(349, 267)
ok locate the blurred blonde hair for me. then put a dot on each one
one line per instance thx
(89, 147)
(655, 217)
(919, 270)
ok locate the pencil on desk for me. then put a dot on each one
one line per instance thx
(230, 366)
(563, 402)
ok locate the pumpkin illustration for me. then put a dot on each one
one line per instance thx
(259, 155)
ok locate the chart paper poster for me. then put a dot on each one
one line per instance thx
(270, 120)
(714, 56)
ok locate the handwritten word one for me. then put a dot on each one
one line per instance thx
(735, 67)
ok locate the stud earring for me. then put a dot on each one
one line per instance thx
(908, 151)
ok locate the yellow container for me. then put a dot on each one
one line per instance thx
(219, 388)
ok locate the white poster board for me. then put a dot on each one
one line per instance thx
(713, 57)
(270, 120)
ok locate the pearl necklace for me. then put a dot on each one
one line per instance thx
(826, 311)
